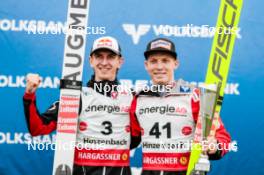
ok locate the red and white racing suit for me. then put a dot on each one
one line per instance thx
(166, 123)
(103, 137)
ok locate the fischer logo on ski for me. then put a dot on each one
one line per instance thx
(219, 62)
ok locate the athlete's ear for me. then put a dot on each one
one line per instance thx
(91, 61)
(177, 63)
(121, 61)
(146, 65)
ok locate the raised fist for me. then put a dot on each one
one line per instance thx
(33, 81)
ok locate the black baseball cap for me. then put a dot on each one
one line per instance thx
(160, 45)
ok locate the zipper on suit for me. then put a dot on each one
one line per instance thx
(104, 170)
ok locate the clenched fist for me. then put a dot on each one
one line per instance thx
(33, 81)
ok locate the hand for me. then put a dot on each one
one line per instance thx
(33, 81)
(210, 146)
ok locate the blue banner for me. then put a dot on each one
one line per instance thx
(32, 40)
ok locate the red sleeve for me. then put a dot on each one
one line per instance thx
(223, 137)
(35, 123)
(195, 103)
(134, 124)
(195, 110)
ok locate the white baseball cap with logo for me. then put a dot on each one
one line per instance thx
(106, 42)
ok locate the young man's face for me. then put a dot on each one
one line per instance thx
(105, 64)
(160, 67)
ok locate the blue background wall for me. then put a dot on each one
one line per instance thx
(21, 53)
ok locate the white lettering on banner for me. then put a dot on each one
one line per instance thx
(19, 81)
(49, 82)
(24, 138)
(188, 30)
(43, 27)
(230, 89)
(53, 82)
(31, 25)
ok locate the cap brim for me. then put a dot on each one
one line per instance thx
(147, 53)
(106, 48)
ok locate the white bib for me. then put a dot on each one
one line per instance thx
(167, 129)
(103, 133)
